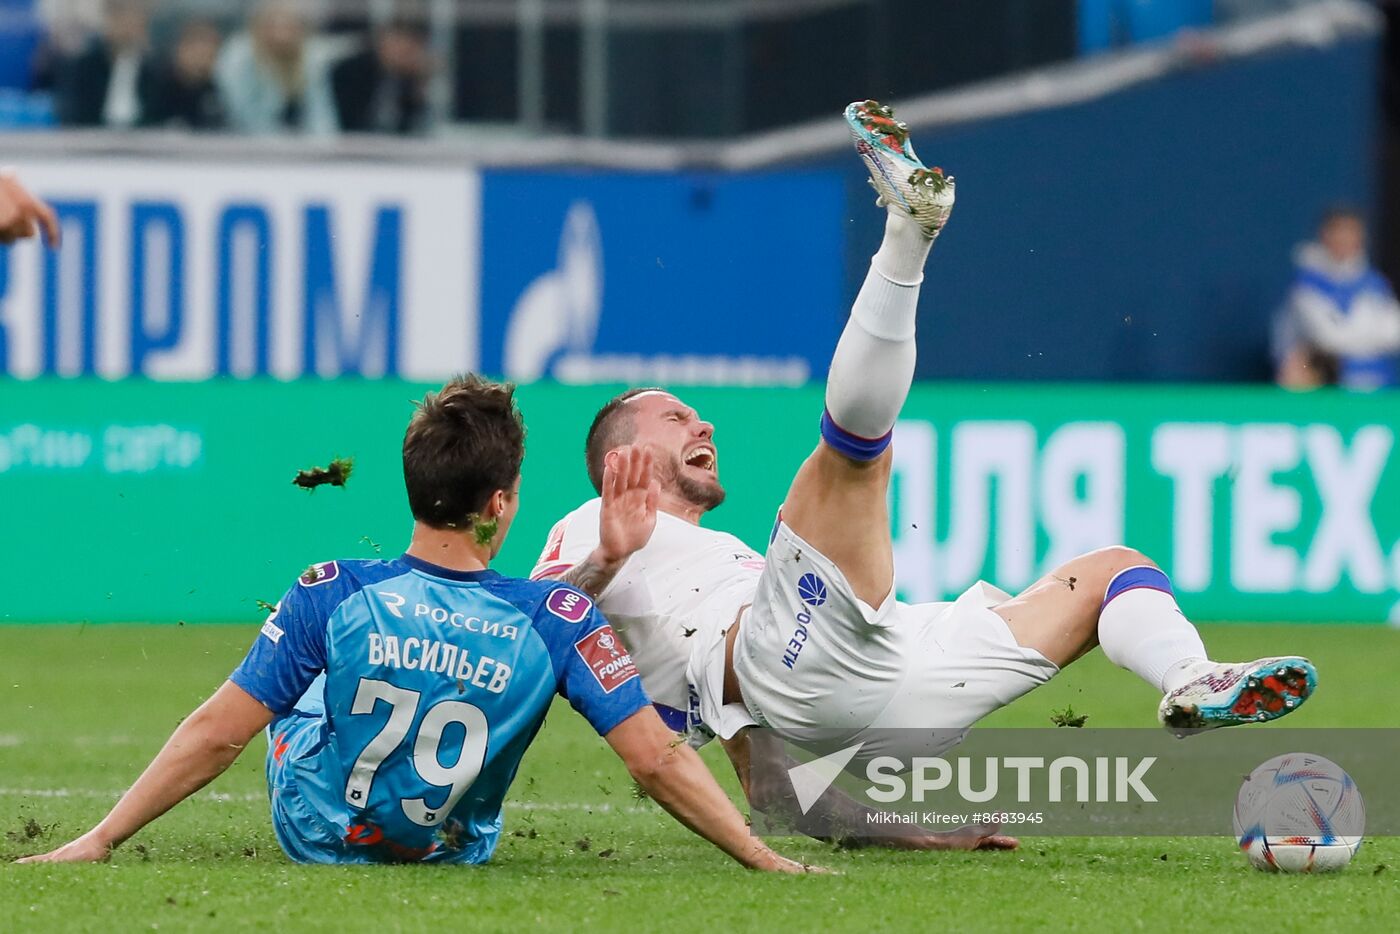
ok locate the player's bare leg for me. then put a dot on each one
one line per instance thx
(840, 508)
(837, 502)
(1058, 615)
(1119, 599)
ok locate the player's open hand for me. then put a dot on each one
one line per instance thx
(22, 214)
(969, 837)
(769, 861)
(85, 849)
(631, 491)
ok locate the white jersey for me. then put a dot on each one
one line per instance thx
(672, 597)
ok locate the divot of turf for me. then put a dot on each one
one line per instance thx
(336, 474)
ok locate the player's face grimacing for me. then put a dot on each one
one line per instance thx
(683, 445)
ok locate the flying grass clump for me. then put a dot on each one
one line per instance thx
(337, 474)
(1068, 717)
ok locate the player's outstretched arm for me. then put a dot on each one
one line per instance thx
(197, 752)
(836, 817)
(673, 775)
(626, 520)
(21, 214)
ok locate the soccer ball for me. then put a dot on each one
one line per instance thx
(1299, 812)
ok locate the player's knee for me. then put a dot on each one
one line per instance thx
(1122, 569)
(1115, 558)
(1103, 566)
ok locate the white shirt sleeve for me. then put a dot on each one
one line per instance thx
(571, 540)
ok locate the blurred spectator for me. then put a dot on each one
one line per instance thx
(273, 78)
(1341, 322)
(69, 24)
(19, 42)
(103, 84)
(383, 89)
(183, 93)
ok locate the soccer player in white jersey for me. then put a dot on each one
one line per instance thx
(813, 638)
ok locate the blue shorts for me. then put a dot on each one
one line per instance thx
(302, 796)
(301, 830)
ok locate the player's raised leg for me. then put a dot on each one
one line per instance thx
(837, 502)
(1120, 600)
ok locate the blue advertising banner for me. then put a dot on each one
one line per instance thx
(695, 278)
(292, 270)
(189, 271)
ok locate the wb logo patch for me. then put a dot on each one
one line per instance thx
(569, 605)
(319, 574)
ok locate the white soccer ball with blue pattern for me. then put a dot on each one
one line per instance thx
(1299, 812)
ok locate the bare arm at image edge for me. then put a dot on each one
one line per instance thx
(23, 215)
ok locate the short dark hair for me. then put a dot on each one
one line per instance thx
(465, 442)
(612, 426)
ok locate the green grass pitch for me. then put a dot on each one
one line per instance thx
(84, 708)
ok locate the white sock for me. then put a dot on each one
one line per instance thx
(873, 366)
(1142, 629)
(903, 252)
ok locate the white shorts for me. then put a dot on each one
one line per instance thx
(810, 655)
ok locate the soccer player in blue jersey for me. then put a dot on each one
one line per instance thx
(399, 696)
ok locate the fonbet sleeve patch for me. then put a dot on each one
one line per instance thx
(606, 657)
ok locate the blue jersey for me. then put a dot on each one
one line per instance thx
(406, 695)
